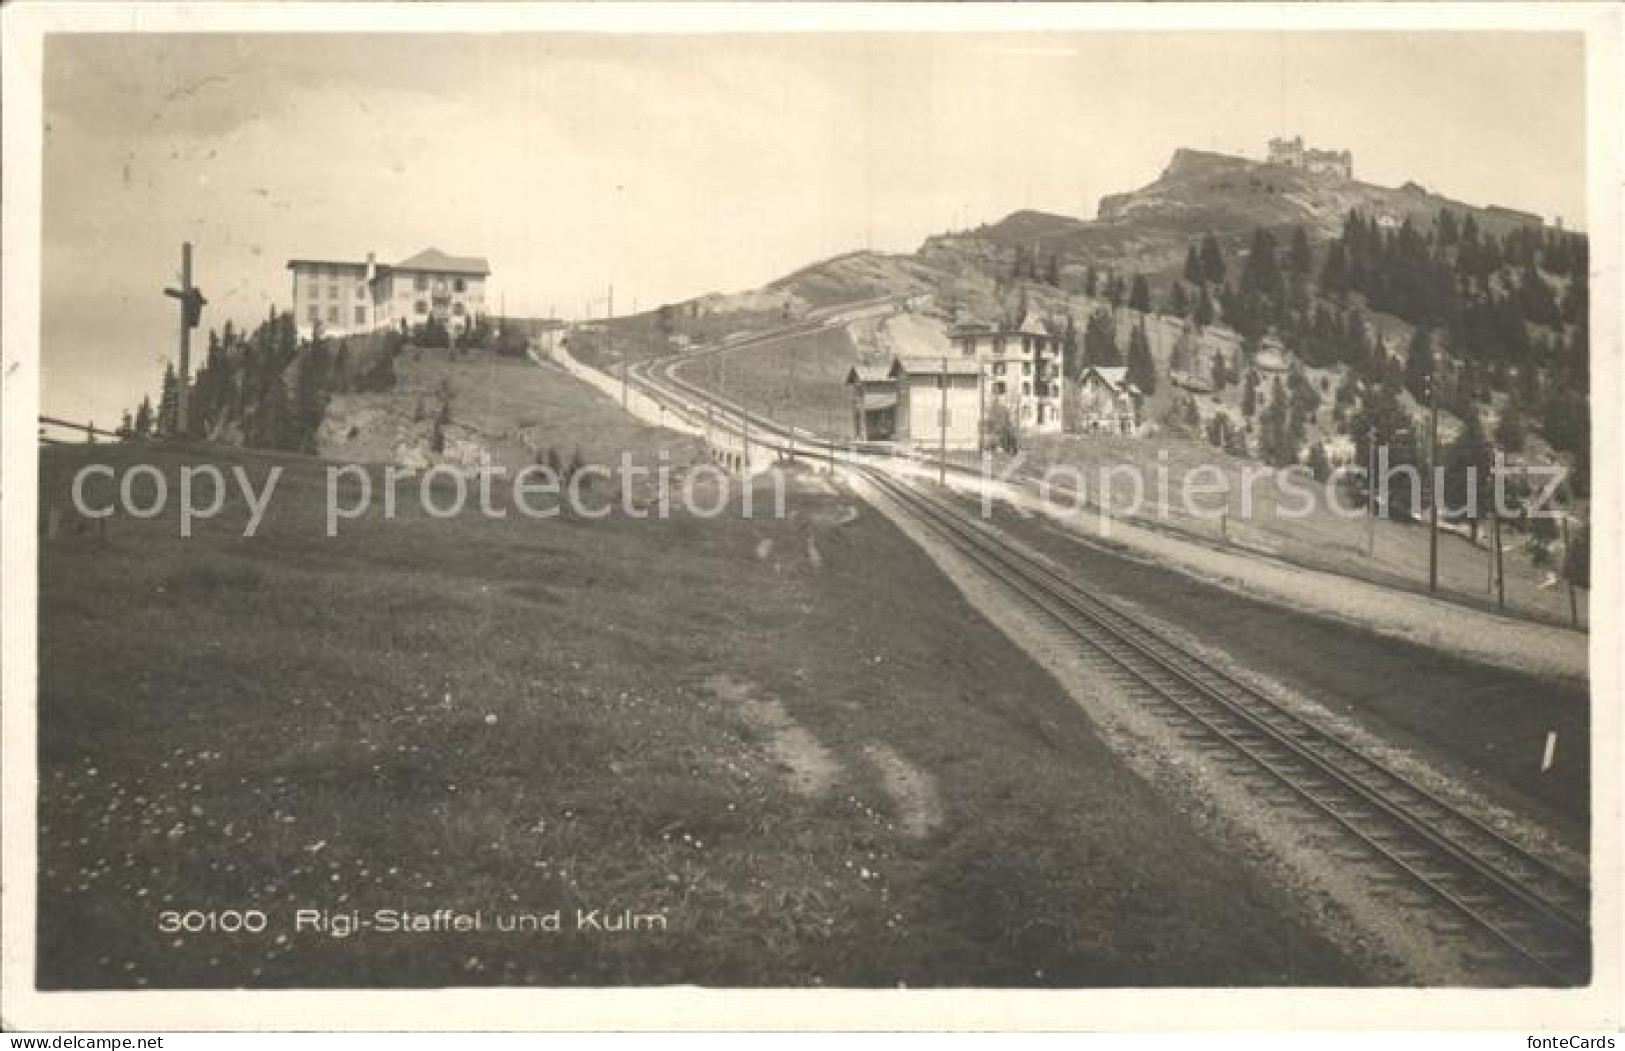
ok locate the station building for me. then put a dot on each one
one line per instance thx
(939, 402)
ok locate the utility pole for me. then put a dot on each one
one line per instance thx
(1568, 568)
(1500, 565)
(1371, 495)
(942, 429)
(981, 408)
(192, 303)
(1433, 474)
(609, 340)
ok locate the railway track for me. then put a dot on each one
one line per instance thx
(1523, 908)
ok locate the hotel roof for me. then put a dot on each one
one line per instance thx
(433, 259)
(430, 260)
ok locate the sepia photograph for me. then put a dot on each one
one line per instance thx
(674, 498)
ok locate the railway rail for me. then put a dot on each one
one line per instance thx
(1524, 908)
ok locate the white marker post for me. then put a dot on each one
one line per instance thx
(1551, 751)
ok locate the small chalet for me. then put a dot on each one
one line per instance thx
(874, 403)
(1107, 402)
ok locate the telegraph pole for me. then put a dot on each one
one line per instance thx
(1371, 495)
(1568, 570)
(981, 408)
(1500, 566)
(942, 429)
(609, 340)
(1433, 474)
(192, 302)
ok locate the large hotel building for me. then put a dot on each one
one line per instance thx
(346, 297)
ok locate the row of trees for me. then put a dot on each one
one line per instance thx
(266, 385)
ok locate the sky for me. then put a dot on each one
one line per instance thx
(673, 166)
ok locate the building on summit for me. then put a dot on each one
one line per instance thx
(343, 298)
(1292, 154)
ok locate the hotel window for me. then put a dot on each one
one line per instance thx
(1026, 389)
(460, 285)
(421, 307)
(315, 312)
(360, 315)
(361, 291)
(332, 291)
(421, 283)
(1026, 368)
(998, 387)
(457, 308)
(333, 315)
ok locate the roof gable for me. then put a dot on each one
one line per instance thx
(1031, 326)
(433, 259)
(869, 374)
(1114, 376)
(299, 264)
(921, 366)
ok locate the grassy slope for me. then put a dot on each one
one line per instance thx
(811, 366)
(514, 406)
(523, 715)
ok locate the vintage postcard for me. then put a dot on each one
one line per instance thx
(811, 516)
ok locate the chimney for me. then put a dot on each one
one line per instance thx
(372, 267)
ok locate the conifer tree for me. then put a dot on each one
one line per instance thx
(168, 403)
(1212, 260)
(1142, 368)
(1301, 260)
(1179, 301)
(1320, 465)
(1467, 471)
(1193, 265)
(1419, 364)
(1140, 296)
(1100, 340)
(1204, 310)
